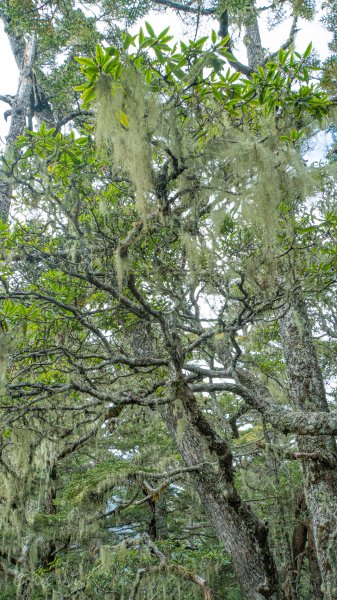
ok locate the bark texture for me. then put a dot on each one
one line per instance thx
(28, 101)
(307, 392)
(302, 548)
(244, 536)
(19, 111)
(252, 39)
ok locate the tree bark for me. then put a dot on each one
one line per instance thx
(159, 518)
(306, 390)
(19, 112)
(252, 39)
(315, 581)
(244, 536)
(28, 100)
(303, 548)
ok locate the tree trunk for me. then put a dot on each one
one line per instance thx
(157, 526)
(19, 111)
(306, 390)
(244, 536)
(302, 548)
(23, 590)
(315, 581)
(28, 100)
(252, 39)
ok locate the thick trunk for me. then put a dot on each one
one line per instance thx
(285, 549)
(158, 522)
(19, 113)
(252, 39)
(28, 100)
(23, 589)
(306, 389)
(244, 536)
(315, 580)
(39, 104)
(302, 548)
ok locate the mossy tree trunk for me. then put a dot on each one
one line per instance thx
(307, 393)
(244, 536)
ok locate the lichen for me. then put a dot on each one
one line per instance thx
(125, 117)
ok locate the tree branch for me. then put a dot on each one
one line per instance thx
(288, 42)
(72, 116)
(186, 8)
(7, 98)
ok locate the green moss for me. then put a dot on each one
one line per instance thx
(125, 118)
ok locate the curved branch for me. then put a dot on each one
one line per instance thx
(288, 42)
(257, 397)
(72, 116)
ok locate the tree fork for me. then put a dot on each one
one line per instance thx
(244, 536)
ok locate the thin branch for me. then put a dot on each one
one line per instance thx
(186, 8)
(72, 116)
(288, 42)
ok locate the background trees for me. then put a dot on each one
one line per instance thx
(164, 398)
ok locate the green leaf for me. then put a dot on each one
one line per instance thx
(112, 51)
(228, 55)
(89, 95)
(28, 153)
(281, 56)
(84, 60)
(118, 70)
(127, 41)
(81, 88)
(141, 36)
(110, 65)
(148, 76)
(43, 129)
(159, 55)
(224, 41)
(91, 72)
(163, 33)
(99, 55)
(123, 119)
(74, 157)
(215, 63)
(150, 30)
(308, 51)
(82, 141)
(199, 44)
(217, 95)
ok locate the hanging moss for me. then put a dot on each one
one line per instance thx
(5, 347)
(126, 115)
(122, 267)
(106, 557)
(181, 428)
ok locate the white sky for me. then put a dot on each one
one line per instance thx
(272, 40)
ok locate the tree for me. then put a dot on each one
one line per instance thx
(160, 268)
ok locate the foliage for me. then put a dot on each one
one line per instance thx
(153, 251)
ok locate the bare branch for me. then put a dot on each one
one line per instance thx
(7, 98)
(73, 115)
(186, 8)
(288, 42)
